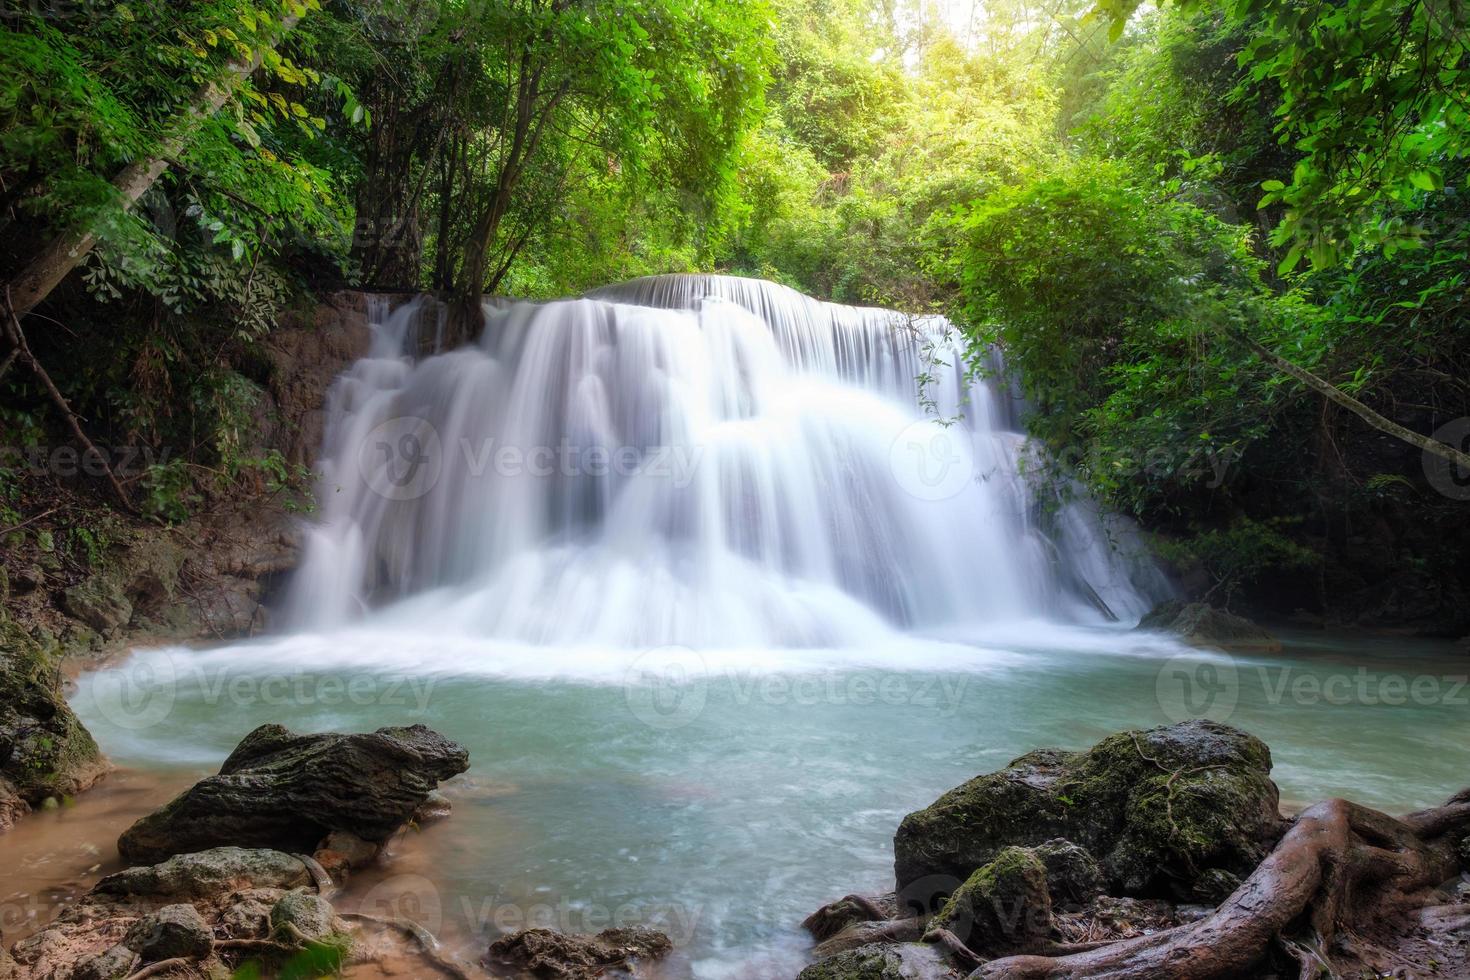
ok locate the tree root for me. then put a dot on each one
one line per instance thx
(1341, 872)
(162, 966)
(319, 876)
(428, 945)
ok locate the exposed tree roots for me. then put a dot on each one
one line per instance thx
(1346, 889)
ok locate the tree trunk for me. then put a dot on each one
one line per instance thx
(1339, 397)
(36, 281)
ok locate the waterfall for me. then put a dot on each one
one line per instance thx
(697, 460)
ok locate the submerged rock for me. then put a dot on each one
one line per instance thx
(1201, 624)
(287, 791)
(45, 752)
(546, 953)
(850, 910)
(1157, 808)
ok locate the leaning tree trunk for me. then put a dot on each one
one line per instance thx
(1342, 874)
(1339, 397)
(36, 281)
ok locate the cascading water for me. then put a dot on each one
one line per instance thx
(695, 460)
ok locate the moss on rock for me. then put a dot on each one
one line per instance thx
(45, 751)
(1003, 907)
(1158, 808)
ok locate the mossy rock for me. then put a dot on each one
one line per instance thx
(1157, 808)
(1200, 624)
(1073, 876)
(882, 961)
(45, 751)
(1003, 907)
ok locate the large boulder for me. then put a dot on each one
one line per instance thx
(287, 791)
(1202, 625)
(45, 752)
(1157, 808)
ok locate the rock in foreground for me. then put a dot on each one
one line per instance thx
(1175, 815)
(286, 791)
(1156, 808)
(187, 908)
(545, 953)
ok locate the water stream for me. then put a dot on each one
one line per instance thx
(716, 582)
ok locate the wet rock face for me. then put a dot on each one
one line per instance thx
(287, 791)
(44, 750)
(1203, 625)
(1157, 809)
(545, 953)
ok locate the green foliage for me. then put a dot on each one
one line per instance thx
(1372, 106)
(168, 491)
(1239, 553)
